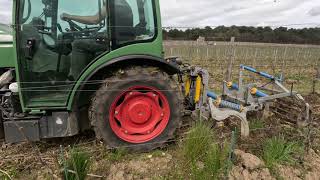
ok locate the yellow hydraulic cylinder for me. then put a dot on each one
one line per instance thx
(187, 86)
(198, 89)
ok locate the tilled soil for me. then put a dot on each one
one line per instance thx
(43, 160)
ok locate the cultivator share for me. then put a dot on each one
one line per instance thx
(63, 74)
(240, 98)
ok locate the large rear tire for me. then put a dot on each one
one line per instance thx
(138, 109)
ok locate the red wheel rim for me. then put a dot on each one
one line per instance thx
(139, 114)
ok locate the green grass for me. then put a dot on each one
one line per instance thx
(79, 163)
(12, 172)
(216, 161)
(4, 175)
(279, 151)
(157, 153)
(200, 147)
(197, 142)
(256, 124)
(117, 154)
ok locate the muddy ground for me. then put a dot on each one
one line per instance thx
(44, 160)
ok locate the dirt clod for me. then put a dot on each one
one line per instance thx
(140, 168)
(249, 167)
(240, 173)
(312, 164)
(289, 173)
(312, 176)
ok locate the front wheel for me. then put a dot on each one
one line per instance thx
(138, 110)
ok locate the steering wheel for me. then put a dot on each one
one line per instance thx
(74, 26)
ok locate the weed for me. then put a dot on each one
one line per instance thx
(197, 142)
(78, 165)
(216, 160)
(4, 175)
(214, 164)
(11, 173)
(279, 151)
(204, 157)
(256, 124)
(172, 175)
(117, 154)
(157, 153)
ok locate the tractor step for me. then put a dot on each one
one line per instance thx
(59, 124)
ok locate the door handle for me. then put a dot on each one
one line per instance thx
(30, 48)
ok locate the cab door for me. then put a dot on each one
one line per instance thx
(48, 48)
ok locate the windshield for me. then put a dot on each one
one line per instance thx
(5, 12)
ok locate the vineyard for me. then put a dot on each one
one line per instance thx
(299, 64)
(104, 91)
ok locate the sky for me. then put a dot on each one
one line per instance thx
(200, 13)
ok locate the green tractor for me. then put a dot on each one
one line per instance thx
(73, 65)
(78, 65)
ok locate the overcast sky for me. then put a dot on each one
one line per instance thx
(193, 13)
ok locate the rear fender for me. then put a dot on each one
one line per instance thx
(132, 60)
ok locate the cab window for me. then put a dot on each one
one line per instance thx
(132, 21)
(53, 51)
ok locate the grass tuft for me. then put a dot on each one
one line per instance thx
(197, 142)
(256, 124)
(4, 175)
(216, 160)
(205, 158)
(279, 151)
(79, 164)
(117, 154)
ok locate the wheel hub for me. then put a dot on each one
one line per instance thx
(139, 114)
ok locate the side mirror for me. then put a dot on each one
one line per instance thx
(101, 4)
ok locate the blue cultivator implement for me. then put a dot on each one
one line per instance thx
(237, 99)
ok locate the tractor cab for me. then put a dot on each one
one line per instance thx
(90, 64)
(53, 52)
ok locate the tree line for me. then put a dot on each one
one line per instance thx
(248, 34)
